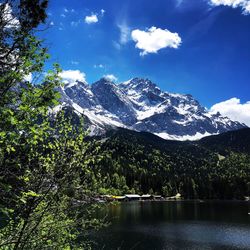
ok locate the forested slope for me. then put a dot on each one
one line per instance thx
(215, 167)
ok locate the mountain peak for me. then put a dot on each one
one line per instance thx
(138, 83)
(76, 83)
(104, 81)
(138, 104)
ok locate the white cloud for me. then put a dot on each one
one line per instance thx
(244, 4)
(124, 32)
(52, 23)
(102, 12)
(91, 19)
(66, 10)
(234, 110)
(63, 15)
(154, 39)
(94, 18)
(110, 78)
(72, 75)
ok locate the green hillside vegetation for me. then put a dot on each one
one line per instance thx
(236, 141)
(216, 167)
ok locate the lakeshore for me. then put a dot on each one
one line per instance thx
(148, 197)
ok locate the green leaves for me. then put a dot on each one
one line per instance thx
(29, 194)
(43, 168)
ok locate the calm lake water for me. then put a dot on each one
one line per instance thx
(176, 225)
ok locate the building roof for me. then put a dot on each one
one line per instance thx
(157, 196)
(146, 196)
(118, 197)
(132, 196)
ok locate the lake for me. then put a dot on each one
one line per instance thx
(176, 225)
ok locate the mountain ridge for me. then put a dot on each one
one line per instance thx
(139, 104)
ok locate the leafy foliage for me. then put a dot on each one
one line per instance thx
(44, 173)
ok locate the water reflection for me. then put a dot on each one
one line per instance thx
(176, 225)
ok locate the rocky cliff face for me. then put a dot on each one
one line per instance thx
(138, 104)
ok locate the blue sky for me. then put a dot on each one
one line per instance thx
(201, 47)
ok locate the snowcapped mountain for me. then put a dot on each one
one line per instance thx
(138, 104)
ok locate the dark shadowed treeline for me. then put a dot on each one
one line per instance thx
(144, 163)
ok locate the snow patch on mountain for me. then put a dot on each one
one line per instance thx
(195, 137)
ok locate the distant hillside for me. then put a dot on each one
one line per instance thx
(215, 167)
(237, 141)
